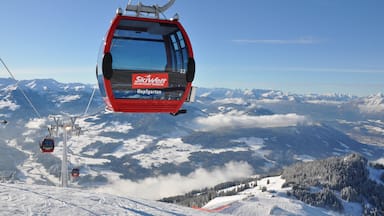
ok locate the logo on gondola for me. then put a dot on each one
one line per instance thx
(155, 80)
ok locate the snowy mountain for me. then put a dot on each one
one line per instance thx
(372, 104)
(226, 135)
(334, 186)
(346, 185)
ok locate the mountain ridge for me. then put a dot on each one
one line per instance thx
(223, 127)
(345, 184)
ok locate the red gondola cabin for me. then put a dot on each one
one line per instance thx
(47, 145)
(145, 65)
(75, 172)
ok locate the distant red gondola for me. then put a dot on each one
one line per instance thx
(145, 65)
(75, 172)
(47, 145)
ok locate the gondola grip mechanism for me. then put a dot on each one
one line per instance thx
(155, 9)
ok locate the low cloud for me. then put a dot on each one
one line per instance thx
(238, 120)
(171, 185)
(371, 108)
(238, 101)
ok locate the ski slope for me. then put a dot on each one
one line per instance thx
(25, 199)
(270, 198)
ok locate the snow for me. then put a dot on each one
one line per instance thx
(373, 104)
(223, 201)
(255, 143)
(76, 157)
(375, 130)
(79, 88)
(6, 99)
(35, 124)
(175, 151)
(304, 158)
(325, 102)
(207, 94)
(118, 126)
(30, 170)
(68, 98)
(344, 145)
(35, 200)
(27, 199)
(268, 198)
(8, 104)
(238, 101)
(23, 199)
(31, 84)
(167, 150)
(269, 100)
(131, 146)
(380, 161)
(171, 150)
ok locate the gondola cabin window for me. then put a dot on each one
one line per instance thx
(156, 64)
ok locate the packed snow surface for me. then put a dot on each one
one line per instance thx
(24, 199)
(270, 198)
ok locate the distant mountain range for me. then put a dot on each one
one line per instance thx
(227, 134)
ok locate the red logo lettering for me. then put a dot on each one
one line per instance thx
(153, 80)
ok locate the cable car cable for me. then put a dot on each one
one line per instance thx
(90, 101)
(21, 90)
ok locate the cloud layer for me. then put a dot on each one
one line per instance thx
(232, 120)
(171, 185)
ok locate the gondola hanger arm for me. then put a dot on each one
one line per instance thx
(154, 9)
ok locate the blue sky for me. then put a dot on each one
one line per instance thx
(297, 46)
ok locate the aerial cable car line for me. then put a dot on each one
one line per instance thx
(146, 64)
(66, 127)
(47, 145)
(90, 101)
(30, 102)
(21, 90)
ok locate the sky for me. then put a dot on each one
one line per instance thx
(297, 46)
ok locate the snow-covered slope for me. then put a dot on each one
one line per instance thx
(272, 201)
(372, 104)
(267, 198)
(23, 199)
(347, 185)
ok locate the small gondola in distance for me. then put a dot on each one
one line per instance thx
(75, 173)
(145, 65)
(47, 145)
